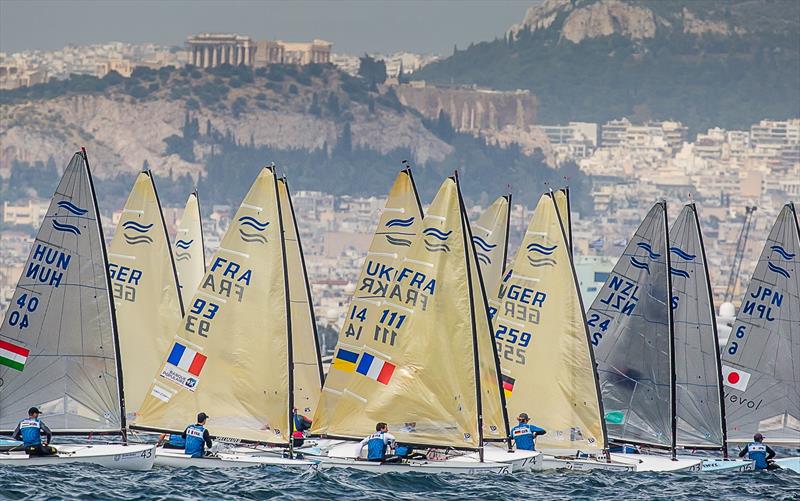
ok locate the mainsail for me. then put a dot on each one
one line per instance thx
(189, 248)
(698, 397)
(630, 323)
(761, 363)
(231, 355)
(58, 340)
(145, 289)
(306, 374)
(490, 236)
(425, 378)
(561, 197)
(541, 335)
(399, 223)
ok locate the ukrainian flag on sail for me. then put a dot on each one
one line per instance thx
(345, 360)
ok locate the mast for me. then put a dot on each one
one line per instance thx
(505, 249)
(475, 359)
(288, 314)
(169, 244)
(672, 389)
(202, 237)
(723, 423)
(114, 332)
(569, 229)
(407, 170)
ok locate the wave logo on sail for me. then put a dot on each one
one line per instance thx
(682, 254)
(783, 252)
(438, 240)
(72, 208)
(677, 272)
(485, 246)
(183, 254)
(67, 228)
(646, 246)
(251, 229)
(402, 223)
(134, 227)
(779, 270)
(640, 264)
(399, 223)
(540, 255)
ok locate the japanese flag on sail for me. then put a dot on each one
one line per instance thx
(735, 378)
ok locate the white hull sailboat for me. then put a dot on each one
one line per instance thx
(61, 336)
(177, 459)
(659, 463)
(132, 457)
(420, 466)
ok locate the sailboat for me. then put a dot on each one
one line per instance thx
(59, 346)
(145, 289)
(699, 405)
(424, 370)
(234, 352)
(631, 329)
(189, 248)
(541, 334)
(561, 197)
(759, 364)
(490, 237)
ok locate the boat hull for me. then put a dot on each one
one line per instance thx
(789, 464)
(133, 457)
(451, 467)
(177, 459)
(520, 460)
(652, 462)
(731, 465)
(584, 464)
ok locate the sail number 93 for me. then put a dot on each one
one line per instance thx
(201, 308)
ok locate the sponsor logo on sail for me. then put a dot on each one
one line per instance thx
(436, 240)
(778, 269)
(394, 239)
(783, 252)
(251, 230)
(402, 223)
(735, 378)
(640, 264)
(540, 255)
(682, 254)
(136, 233)
(647, 248)
(615, 417)
(679, 273)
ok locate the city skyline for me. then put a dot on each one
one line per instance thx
(353, 26)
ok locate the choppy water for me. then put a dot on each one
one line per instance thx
(89, 482)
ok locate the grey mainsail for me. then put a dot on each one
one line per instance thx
(761, 363)
(698, 402)
(630, 325)
(61, 322)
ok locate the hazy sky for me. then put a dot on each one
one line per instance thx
(353, 26)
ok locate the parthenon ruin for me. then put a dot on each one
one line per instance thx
(208, 50)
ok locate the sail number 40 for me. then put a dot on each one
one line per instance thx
(19, 318)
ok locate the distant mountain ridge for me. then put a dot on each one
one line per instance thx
(704, 62)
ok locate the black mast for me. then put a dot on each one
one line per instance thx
(672, 389)
(202, 236)
(169, 244)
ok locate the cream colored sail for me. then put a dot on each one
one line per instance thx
(230, 357)
(490, 236)
(545, 353)
(189, 248)
(421, 379)
(399, 222)
(561, 197)
(145, 290)
(307, 369)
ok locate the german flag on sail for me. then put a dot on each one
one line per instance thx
(508, 384)
(345, 360)
(12, 355)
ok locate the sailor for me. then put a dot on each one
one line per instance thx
(30, 431)
(759, 452)
(300, 424)
(172, 441)
(377, 444)
(525, 434)
(197, 437)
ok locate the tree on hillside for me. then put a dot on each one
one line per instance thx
(374, 72)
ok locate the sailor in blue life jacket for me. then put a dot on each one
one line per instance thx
(525, 434)
(759, 452)
(300, 424)
(378, 443)
(30, 432)
(197, 437)
(172, 441)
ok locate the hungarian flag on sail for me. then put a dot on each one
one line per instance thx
(12, 355)
(375, 368)
(735, 378)
(508, 384)
(186, 359)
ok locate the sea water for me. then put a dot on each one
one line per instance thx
(94, 482)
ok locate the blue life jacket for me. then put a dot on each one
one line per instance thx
(195, 443)
(30, 431)
(376, 446)
(176, 440)
(758, 452)
(523, 437)
(402, 451)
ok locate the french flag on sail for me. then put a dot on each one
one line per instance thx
(186, 359)
(375, 368)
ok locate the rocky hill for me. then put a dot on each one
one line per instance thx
(704, 62)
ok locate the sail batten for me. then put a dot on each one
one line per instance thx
(60, 326)
(761, 376)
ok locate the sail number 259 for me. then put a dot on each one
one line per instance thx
(511, 343)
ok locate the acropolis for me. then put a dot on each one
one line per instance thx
(208, 50)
